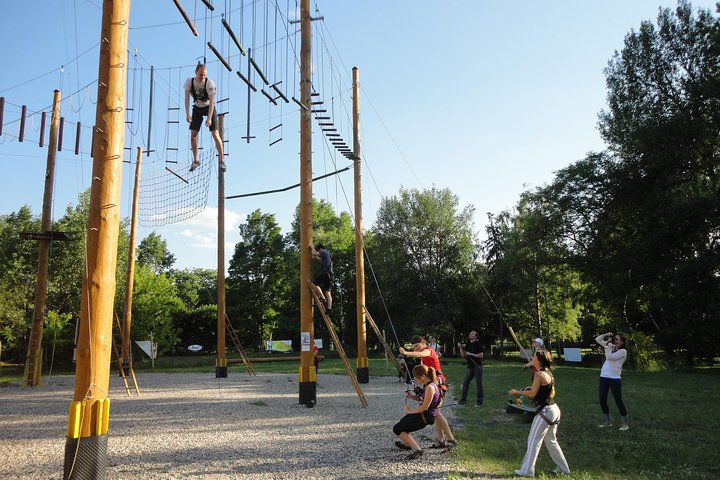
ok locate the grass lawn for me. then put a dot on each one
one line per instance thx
(674, 418)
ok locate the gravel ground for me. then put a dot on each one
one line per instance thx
(193, 425)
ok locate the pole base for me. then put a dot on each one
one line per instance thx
(363, 375)
(308, 393)
(86, 458)
(221, 372)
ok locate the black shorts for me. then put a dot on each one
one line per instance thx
(324, 281)
(197, 118)
(412, 422)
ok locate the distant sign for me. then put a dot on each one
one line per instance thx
(572, 355)
(278, 345)
(195, 348)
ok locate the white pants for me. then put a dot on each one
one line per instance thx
(541, 431)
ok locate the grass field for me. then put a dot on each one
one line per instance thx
(674, 419)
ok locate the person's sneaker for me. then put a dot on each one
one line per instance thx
(624, 427)
(557, 471)
(194, 166)
(519, 473)
(439, 444)
(401, 445)
(451, 443)
(462, 402)
(223, 167)
(415, 454)
(605, 424)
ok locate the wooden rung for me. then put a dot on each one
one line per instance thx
(322, 118)
(276, 141)
(259, 72)
(220, 57)
(318, 111)
(232, 35)
(173, 121)
(249, 83)
(169, 108)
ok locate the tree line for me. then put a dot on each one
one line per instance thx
(626, 239)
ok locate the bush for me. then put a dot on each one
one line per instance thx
(644, 354)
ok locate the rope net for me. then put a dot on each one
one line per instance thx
(172, 195)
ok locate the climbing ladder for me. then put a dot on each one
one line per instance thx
(338, 345)
(33, 363)
(118, 358)
(233, 336)
(388, 352)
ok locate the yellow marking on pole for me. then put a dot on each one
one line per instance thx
(313, 374)
(221, 362)
(74, 416)
(362, 362)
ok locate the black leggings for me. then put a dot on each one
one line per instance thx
(615, 386)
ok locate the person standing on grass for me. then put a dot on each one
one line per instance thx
(547, 417)
(425, 414)
(615, 355)
(429, 358)
(474, 353)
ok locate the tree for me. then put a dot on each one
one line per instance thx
(256, 285)
(153, 253)
(662, 122)
(155, 306)
(17, 280)
(427, 246)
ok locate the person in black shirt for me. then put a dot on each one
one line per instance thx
(547, 416)
(473, 352)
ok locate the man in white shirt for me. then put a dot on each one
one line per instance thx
(202, 89)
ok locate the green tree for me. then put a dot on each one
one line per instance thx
(660, 235)
(155, 306)
(18, 260)
(153, 253)
(256, 285)
(428, 250)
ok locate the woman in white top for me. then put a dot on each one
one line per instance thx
(615, 355)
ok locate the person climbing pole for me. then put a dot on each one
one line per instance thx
(202, 90)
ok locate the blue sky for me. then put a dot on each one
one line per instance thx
(486, 98)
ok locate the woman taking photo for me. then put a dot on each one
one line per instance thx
(424, 414)
(615, 355)
(547, 417)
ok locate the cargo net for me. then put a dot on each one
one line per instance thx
(174, 194)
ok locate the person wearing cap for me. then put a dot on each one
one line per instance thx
(538, 346)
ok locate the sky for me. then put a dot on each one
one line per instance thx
(487, 98)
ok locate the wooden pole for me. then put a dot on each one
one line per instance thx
(363, 372)
(129, 282)
(89, 416)
(221, 360)
(33, 361)
(308, 375)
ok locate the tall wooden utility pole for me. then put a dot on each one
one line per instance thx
(363, 373)
(33, 361)
(130, 280)
(89, 417)
(221, 360)
(308, 375)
